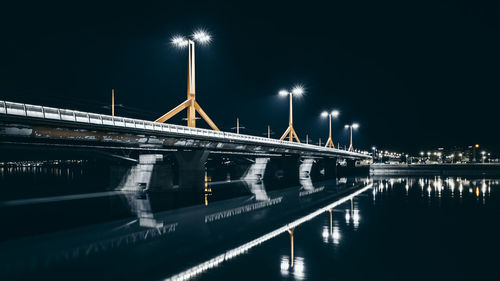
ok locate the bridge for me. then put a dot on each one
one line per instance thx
(29, 131)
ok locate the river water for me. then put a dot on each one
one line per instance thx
(70, 224)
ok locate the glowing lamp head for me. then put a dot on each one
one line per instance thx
(355, 125)
(202, 37)
(346, 126)
(283, 93)
(335, 113)
(324, 114)
(298, 90)
(179, 41)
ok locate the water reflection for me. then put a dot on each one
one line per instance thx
(215, 225)
(438, 187)
(229, 229)
(254, 178)
(297, 271)
(140, 205)
(305, 174)
(296, 264)
(331, 235)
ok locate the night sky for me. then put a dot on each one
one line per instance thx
(414, 75)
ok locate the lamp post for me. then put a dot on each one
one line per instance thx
(290, 131)
(190, 103)
(351, 126)
(334, 114)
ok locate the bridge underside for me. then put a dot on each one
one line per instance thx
(145, 160)
(44, 134)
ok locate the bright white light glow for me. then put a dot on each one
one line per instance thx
(284, 265)
(298, 90)
(298, 269)
(356, 218)
(335, 113)
(336, 235)
(283, 93)
(346, 126)
(179, 41)
(325, 233)
(201, 36)
(324, 114)
(355, 125)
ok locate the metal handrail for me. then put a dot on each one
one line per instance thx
(43, 112)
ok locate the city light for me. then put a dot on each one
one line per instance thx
(283, 93)
(324, 114)
(179, 41)
(201, 36)
(335, 113)
(298, 90)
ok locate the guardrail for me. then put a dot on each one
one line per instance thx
(44, 112)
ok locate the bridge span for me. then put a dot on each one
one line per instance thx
(34, 124)
(29, 130)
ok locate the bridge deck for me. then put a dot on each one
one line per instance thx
(88, 119)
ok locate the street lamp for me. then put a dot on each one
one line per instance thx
(352, 126)
(190, 103)
(290, 132)
(334, 114)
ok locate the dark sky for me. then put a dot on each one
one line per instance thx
(414, 74)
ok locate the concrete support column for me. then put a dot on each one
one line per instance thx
(138, 177)
(254, 178)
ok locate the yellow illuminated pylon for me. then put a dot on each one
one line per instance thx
(355, 126)
(113, 102)
(190, 103)
(291, 245)
(290, 131)
(335, 113)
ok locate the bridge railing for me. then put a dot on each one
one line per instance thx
(44, 112)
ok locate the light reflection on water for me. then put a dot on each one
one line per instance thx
(465, 195)
(334, 241)
(297, 271)
(434, 187)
